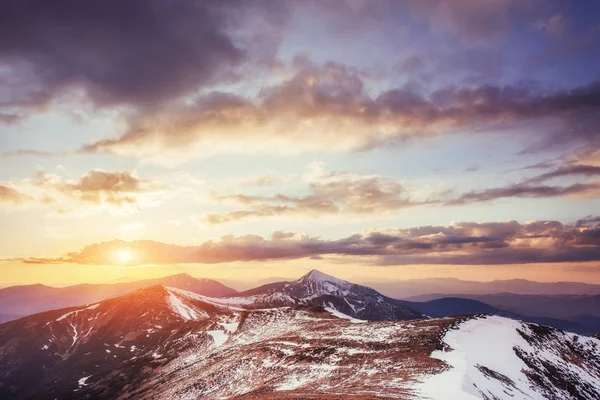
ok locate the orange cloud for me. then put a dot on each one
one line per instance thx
(467, 243)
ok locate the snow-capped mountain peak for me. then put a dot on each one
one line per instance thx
(317, 276)
(319, 289)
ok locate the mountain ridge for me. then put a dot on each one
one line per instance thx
(162, 342)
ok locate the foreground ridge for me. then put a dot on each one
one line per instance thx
(163, 342)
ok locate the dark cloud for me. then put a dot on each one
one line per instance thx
(328, 107)
(460, 243)
(134, 52)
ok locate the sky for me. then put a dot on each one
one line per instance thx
(376, 140)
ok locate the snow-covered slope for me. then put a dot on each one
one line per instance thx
(166, 343)
(495, 357)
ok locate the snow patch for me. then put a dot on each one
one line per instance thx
(338, 314)
(219, 337)
(230, 327)
(179, 307)
(82, 381)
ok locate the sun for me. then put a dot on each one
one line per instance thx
(124, 255)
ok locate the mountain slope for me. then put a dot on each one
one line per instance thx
(168, 343)
(30, 299)
(319, 289)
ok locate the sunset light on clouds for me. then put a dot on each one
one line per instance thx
(247, 141)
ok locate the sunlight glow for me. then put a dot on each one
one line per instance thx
(124, 255)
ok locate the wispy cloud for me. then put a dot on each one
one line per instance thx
(330, 193)
(527, 191)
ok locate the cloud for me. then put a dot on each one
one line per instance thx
(19, 153)
(139, 53)
(98, 186)
(353, 195)
(263, 181)
(330, 193)
(460, 243)
(12, 196)
(329, 108)
(567, 170)
(534, 187)
(557, 25)
(527, 191)
(97, 190)
(471, 21)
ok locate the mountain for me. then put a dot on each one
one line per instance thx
(31, 299)
(9, 317)
(553, 306)
(167, 343)
(450, 306)
(406, 289)
(319, 289)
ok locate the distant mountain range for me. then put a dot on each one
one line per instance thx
(451, 306)
(24, 300)
(568, 312)
(167, 343)
(406, 289)
(553, 306)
